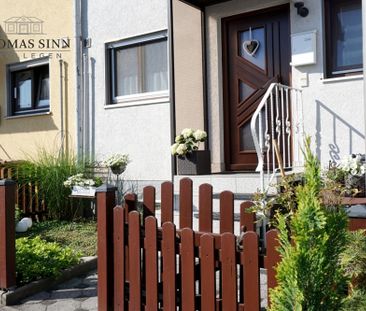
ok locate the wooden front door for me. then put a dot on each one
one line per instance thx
(256, 52)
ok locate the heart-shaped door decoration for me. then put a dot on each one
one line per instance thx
(251, 46)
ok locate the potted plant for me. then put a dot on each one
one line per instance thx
(117, 163)
(190, 160)
(82, 186)
(354, 174)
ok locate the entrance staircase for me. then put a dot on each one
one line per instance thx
(277, 131)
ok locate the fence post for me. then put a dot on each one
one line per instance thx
(7, 233)
(106, 201)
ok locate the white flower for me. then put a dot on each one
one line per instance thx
(354, 172)
(362, 169)
(187, 141)
(187, 133)
(173, 148)
(117, 160)
(78, 180)
(200, 135)
(179, 138)
(181, 149)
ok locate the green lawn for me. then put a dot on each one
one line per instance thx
(80, 236)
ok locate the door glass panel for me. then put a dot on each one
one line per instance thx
(246, 139)
(244, 91)
(252, 46)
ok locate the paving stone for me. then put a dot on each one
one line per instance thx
(81, 299)
(70, 284)
(37, 298)
(48, 302)
(91, 280)
(66, 293)
(90, 303)
(8, 309)
(32, 307)
(89, 292)
(63, 305)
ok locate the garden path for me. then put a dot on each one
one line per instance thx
(78, 294)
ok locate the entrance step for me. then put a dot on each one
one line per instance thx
(244, 183)
(243, 186)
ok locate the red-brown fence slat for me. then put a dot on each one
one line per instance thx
(272, 258)
(119, 258)
(185, 203)
(169, 262)
(208, 278)
(167, 202)
(135, 260)
(250, 262)
(205, 208)
(7, 233)
(247, 218)
(187, 270)
(226, 212)
(151, 259)
(130, 204)
(149, 201)
(228, 271)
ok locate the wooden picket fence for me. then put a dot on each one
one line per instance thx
(28, 199)
(144, 263)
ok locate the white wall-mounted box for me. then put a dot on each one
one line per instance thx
(303, 48)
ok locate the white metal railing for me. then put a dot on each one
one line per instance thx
(278, 120)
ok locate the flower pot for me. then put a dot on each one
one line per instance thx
(194, 163)
(118, 169)
(87, 191)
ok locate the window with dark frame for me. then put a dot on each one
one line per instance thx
(138, 67)
(343, 37)
(29, 89)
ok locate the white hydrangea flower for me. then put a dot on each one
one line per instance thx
(187, 132)
(200, 135)
(181, 149)
(173, 148)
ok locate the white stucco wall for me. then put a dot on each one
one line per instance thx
(142, 131)
(334, 112)
(334, 109)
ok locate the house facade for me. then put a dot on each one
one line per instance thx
(241, 47)
(125, 86)
(37, 77)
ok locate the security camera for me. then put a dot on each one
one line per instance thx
(301, 9)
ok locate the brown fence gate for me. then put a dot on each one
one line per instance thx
(146, 265)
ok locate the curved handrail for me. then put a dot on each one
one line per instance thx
(253, 129)
(275, 92)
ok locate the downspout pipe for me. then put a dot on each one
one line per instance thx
(364, 65)
(171, 82)
(62, 108)
(204, 76)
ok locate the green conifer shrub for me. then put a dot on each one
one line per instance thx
(312, 239)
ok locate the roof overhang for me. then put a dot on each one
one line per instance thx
(203, 3)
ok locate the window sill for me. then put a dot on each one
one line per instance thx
(342, 79)
(139, 100)
(35, 114)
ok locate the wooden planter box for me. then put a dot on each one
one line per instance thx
(195, 163)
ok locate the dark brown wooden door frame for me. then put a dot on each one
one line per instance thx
(225, 72)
